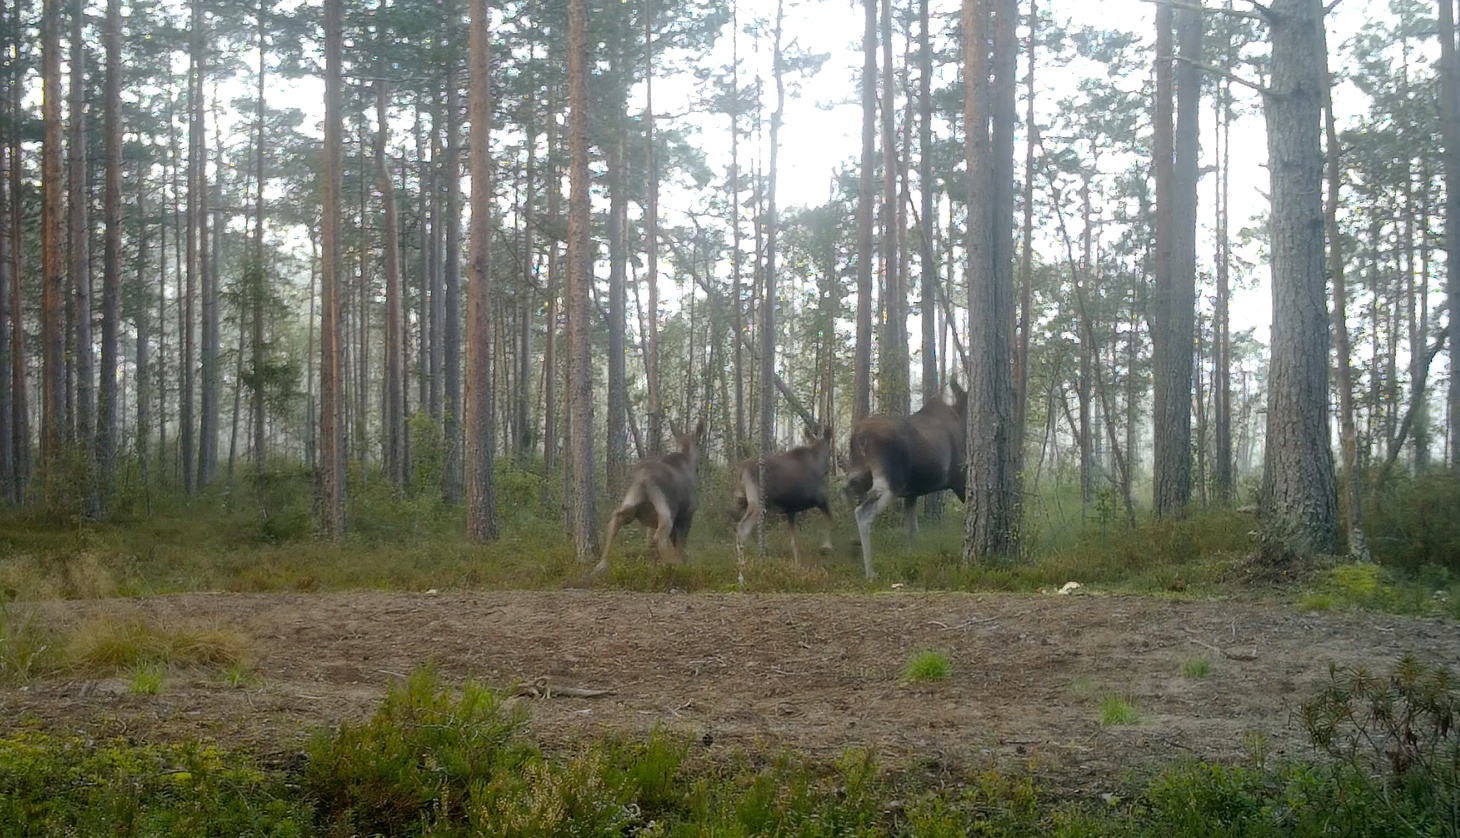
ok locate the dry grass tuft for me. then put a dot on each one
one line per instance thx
(114, 643)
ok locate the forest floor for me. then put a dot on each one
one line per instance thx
(765, 672)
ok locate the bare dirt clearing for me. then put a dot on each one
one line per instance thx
(818, 673)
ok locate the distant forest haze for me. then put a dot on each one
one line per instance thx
(537, 239)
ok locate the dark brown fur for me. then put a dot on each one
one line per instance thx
(795, 482)
(906, 457)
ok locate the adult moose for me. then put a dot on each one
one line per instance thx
(661, 495)
(795, 482)
(906, 457)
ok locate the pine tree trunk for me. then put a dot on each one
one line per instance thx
(892, 367)
(53, 288)
(522, 411)
(554, 295)
(19, 436)
(651, 238)
(1006, 502)
(481, 501)
(78, 214)
(1223, 476)
(1174, 296)
(1358, 543)
(1450, 126)
(736, 290)
(862, 383)
(141, 319)
(614, 451)
(927, 257)
(209, 354)
(394, 433)
(9, 478)
(451, 310)
(768, 295)
(331, 436)
(580, 279)
(259, 286)
(1299, 493)
(989, 519)
(1026, 259)
(437, 295)
(111, 295)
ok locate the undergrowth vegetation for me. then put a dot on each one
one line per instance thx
(256, 536)
(442, 761)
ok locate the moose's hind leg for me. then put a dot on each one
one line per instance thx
(878, 498)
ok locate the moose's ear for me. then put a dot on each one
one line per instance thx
(700, 429)
(958, 391)
(826, 432)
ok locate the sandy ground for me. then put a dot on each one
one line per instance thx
(819, 673)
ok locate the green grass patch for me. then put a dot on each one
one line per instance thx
(927, 665)
(1116, 710)
(1197, 667)
(145, 679)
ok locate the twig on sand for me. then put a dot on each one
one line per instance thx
(539, 688)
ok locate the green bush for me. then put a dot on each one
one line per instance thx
(1396, 736)
(1412, 523)
(412, 764)
(69, 786)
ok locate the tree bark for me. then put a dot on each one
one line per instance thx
(580, 279)
(331, 435)
(481, 500)
(1299, 493)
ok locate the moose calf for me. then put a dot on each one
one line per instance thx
(795, 481)
(661, 495)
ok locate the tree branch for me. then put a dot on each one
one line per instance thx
(791, 400)
(1220, 73)
(1195, 7)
